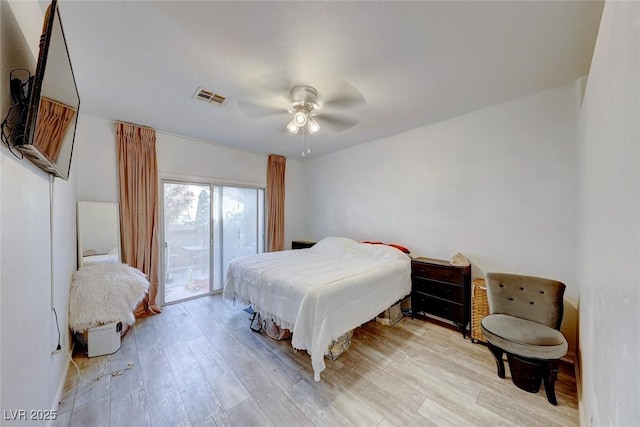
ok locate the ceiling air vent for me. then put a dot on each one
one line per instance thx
(209, 97)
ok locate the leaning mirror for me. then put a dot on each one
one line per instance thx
(98, 233)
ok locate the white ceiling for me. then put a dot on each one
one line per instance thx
(415, 63)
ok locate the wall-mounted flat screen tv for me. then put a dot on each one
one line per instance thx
(54, 102)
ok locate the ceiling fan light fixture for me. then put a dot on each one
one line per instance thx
(293, 126)
(300, 118)
(313, 126)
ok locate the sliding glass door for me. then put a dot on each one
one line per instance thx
(205, 226)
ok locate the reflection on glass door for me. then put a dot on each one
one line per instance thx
(187, 237)
(239, 226)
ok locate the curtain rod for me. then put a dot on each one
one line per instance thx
(193, 139)
(132, 124)
(204, 141)
(75, 110)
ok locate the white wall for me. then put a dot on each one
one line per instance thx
(609, 244)
(94, 157)
(295, 192)
(498, 185)
(36, 260)
(182, 156)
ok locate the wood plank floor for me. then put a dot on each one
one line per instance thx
(199, 364)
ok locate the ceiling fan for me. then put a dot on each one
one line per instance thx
(304, 107)
(308, 111)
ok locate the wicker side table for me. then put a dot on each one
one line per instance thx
(479, 309)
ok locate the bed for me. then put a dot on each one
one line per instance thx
(322, 292)
(91, 257)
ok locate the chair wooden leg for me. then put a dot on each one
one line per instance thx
(550, 378)
(497, 354)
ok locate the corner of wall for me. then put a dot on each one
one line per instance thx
(577, 368)
(30, 15)
(581, 86)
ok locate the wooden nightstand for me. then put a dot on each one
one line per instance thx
(442, 290)
(301, 244)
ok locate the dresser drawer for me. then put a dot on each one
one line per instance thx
(438, 307)
(438, 272)
(443, 290)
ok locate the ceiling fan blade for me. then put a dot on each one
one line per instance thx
(278, 82)
(254, 110)
(337, 123)
(344, 96)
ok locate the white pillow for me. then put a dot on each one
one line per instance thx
(335, 245)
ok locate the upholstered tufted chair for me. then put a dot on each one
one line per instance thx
(524, 322)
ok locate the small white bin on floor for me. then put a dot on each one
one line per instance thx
(104, 339)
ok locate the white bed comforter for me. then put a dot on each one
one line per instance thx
(322, 292)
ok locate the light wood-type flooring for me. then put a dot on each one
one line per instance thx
(199, 364)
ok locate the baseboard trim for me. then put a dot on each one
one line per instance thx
(58, 395)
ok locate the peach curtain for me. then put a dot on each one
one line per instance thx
(138, 175)
(51, 126)
(275, 202)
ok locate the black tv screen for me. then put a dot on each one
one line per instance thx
(54, 103)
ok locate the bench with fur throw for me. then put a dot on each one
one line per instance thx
(105, 293)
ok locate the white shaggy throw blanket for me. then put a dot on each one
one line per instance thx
(105, 293)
